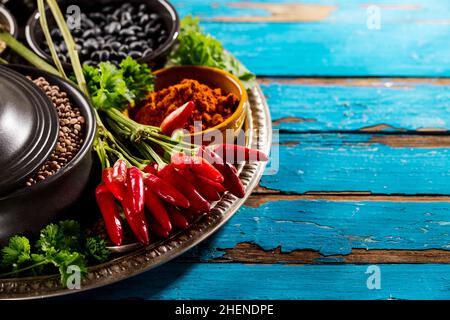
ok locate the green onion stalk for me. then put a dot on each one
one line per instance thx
(110, 142)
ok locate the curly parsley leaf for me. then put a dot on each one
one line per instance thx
(63, 236)
(96, 249)
(60, 245)
(138, 77)
(118, 87)
(16, 253)
(195, 47)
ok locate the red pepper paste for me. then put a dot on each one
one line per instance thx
(212, 106)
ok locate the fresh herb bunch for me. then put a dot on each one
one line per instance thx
(118, 87)
(198, 48)
(59, 246)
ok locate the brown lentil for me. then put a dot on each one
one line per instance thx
(70, 137)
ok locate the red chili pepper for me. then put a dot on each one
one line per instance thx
(205, 190)
(197, 203)
(157, 209)
(157, 229)
(235, 153)
(166, 191)
(135, 189)
(117, 189)
(232, 182)
(209, 156)
(177, 119)
(212, 184)
(137, 221)
(151, 168)
(177, 218)
(198, 164)
(120, 171)
(110, 213)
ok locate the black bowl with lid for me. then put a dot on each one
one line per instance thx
(8, 20)
(28, 209)
(28, 129)
(167, 18)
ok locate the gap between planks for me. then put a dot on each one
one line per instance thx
(262, 195)
(396, 82)
(253, 254)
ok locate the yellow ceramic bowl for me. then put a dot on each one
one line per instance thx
(214, 78)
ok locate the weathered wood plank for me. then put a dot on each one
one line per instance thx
(239, 281)
(302, 105)
(331, 38)
(375, 163)
(333, 228)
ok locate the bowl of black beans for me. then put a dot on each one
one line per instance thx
(63, 178)
(110, 30)
(8, 22)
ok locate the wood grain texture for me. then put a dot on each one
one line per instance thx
(333, 228)
(371, 105)
(177, 280)
(373, 163)
(414, 38)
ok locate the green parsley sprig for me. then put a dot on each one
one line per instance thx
(197, 48)
(58, 247)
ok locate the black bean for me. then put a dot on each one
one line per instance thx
(91, 44)
(107, 9)
(88, 22)
(126, 32)
(162, 39)
(122, 55)
(104, 55)
(142, 7)
(115, 45)
(144, 19)
(136, 29)
(97, 17)
(131, 39)
(125, 18)
(124, 48)
(55, 33)
(137, 45)
(113, 28)
(89, 33)
(84, 53)
(147, 52)
(141, 35)
(62, 47)
(135, 54)
(95, 55)
(154, 16)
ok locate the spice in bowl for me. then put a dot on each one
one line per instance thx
(212, 106)
(71, 132)
(113, 32)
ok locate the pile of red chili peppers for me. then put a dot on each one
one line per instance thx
(157, 197)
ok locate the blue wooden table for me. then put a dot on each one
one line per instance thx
(359, 208)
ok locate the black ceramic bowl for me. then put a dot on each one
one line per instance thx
(28, 209)
(7, 19)
(35, 36)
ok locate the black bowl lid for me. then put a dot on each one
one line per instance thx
(29, 128)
